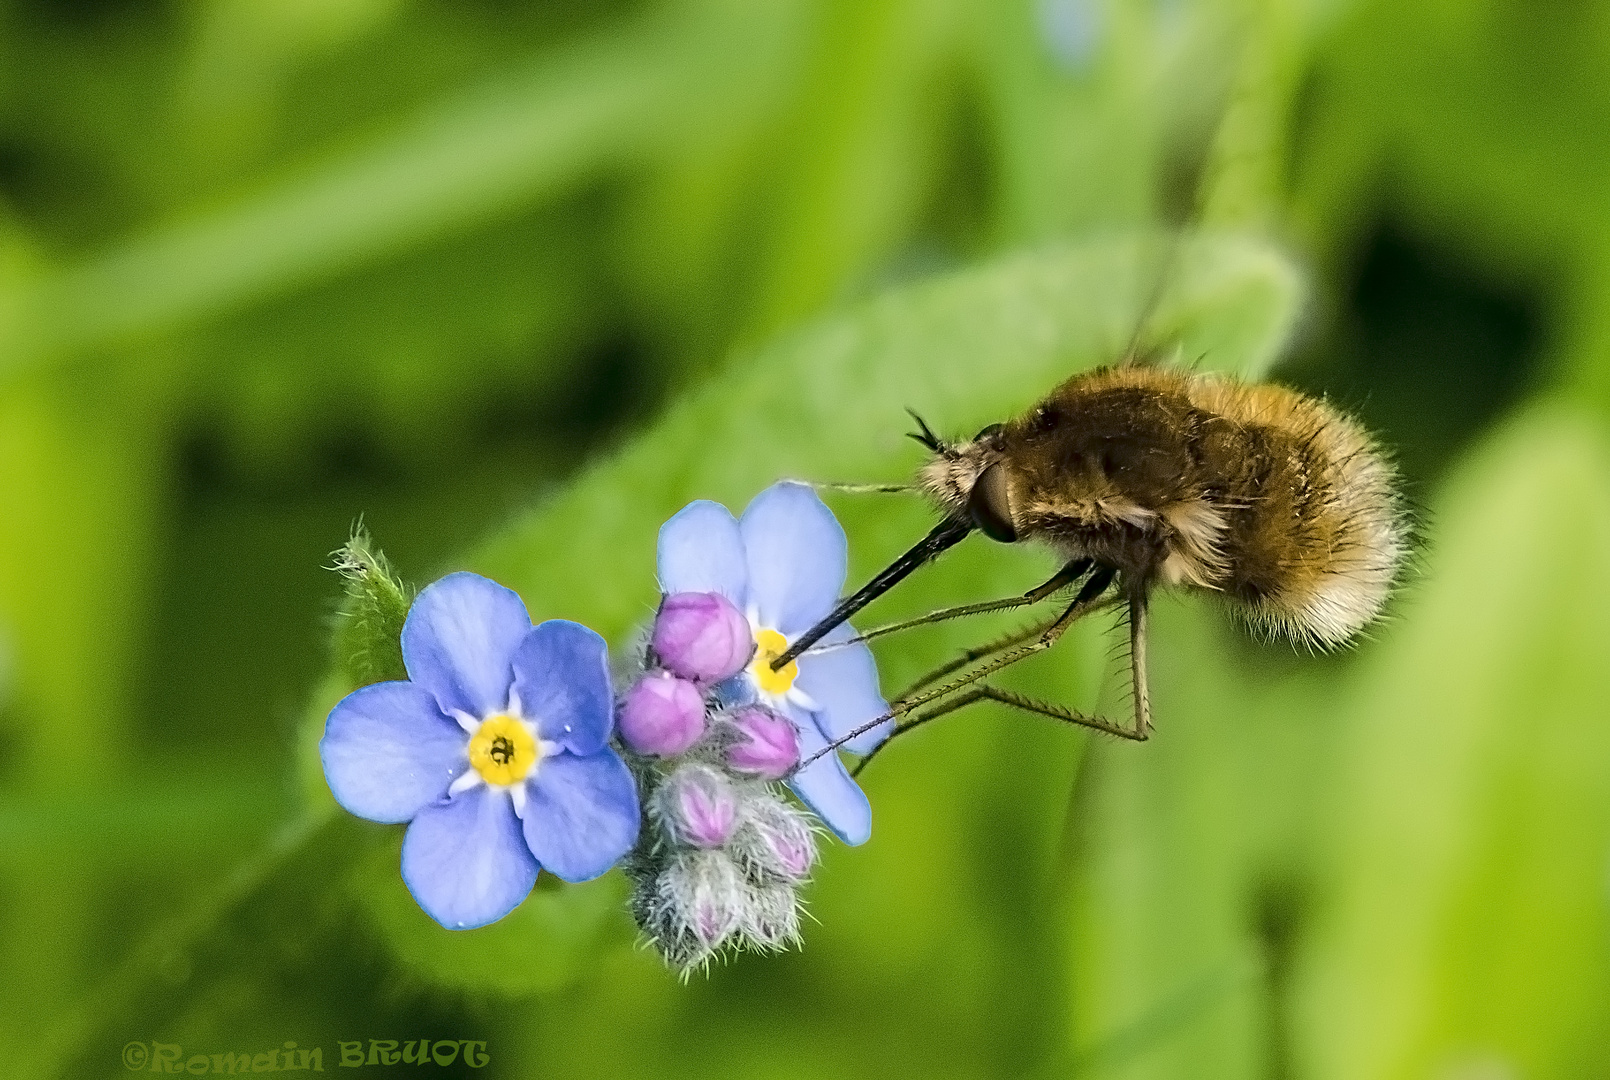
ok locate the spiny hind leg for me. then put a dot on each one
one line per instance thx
(1083, 604)
(1138, 622)
(859, 489)
(1058, 581)
(979, 652)
(1140, 722)
(1012, 698)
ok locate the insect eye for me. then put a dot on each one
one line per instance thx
(990, 505)
(989, 432)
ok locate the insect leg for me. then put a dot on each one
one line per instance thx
(978, 652)
(859, 489)
(1137, 659)
(1082, 605)
(1062, 578)
(1004, 697)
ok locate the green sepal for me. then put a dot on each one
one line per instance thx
(368, 630)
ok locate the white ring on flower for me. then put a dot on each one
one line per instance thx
(793, 695)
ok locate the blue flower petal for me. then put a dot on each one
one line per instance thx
(581, 814)
(828, 789)
(465, 860)
(844, 685)
(388, 751)
(797, 557)
(459, 638)
(561, 673)
(738, 690)
(700, 550)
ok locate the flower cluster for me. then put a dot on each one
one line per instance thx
(500, 751)
(723, 855)
(712, 726)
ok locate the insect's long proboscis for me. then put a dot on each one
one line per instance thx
(944, 535)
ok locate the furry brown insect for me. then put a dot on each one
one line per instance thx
(1156, 476)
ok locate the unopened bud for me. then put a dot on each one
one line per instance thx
(787, 845)
(771, 917)
(707, 895)
(661, 714)
(701, 636)
(700, 806)
(767, 745)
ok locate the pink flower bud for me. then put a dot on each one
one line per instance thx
(767, 744)
(793, 855)
(789, 847)
(701, 806)
(701, 636)
(661, 714)
(706, 895)
(713, 918)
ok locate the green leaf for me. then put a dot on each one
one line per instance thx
(275, 904)
(827, 402)
(548, 943)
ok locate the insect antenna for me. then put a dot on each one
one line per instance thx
(944, 535)
(926, 436)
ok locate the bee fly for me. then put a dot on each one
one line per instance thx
(1139, 477)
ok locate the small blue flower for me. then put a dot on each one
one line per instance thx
(783, 565)
(496, 751)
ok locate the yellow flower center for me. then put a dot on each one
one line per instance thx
(502, 750)
(769, 645)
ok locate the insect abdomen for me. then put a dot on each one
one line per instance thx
(1313, 535)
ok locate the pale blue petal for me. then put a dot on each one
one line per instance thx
(827, 788)
(797, 556)
(465, 860)
(738, 690)
(561, 674)
(388, 751)
(459, 639)
(844, 685)
(581, 814)
(700, 550)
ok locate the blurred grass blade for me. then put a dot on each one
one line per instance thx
(1181, 853)
(1154, 1027)
(1469, 928)
(517, 139)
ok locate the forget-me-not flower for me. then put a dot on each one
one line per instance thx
(496, 751)
(783, 564)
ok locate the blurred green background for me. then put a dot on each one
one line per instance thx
(513, 281)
